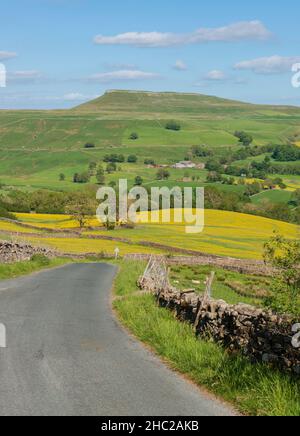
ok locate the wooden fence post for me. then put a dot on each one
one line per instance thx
(209, 283)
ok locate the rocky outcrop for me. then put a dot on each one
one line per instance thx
(17, 252)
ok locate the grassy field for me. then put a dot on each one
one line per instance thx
(230, 286)
(275, 196)
(225, 234)
(36, 146)
(252, 389)
(23, 268)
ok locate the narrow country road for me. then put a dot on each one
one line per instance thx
(67, 355)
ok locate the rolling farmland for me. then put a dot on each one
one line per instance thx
(36, 146)
(225, 234)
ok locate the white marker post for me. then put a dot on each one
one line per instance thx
(117, 253)
(2, 336)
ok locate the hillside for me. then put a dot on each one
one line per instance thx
(36, 146)
(142, 103)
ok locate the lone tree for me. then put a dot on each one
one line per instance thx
(284, 255)
(89, 145)
(149, 162)
(138, 181)
(81, 178)
(296, 198)
(92, 168)
(62, 177)
(162, 174)
(100, 175)
(111, 168)
(81, 208)
(173, 125)
(134, 136)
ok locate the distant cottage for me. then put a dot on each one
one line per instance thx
(187, 164)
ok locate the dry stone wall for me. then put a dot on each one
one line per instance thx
(17, 252)
(260, 335)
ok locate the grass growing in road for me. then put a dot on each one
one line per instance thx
(253, 389)
(9, 271)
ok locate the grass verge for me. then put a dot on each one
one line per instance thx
(9, 271)
(253, 389)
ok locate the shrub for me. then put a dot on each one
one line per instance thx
(149, 162)
(111, 168)
(114, 158)
(89, 145)
(81, 178)
(134, 136)
(201, 151)
(40, 259)
(213, 165)
(284, 255)
(286, 153)
(110, 225)
(173, 125)
(5, 214)
(244, 138)
(132, 159)
(138, 181)
(162, 174)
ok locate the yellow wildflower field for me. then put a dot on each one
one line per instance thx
(15, 228)
(95, 246)
(55, 222)
(225, 234)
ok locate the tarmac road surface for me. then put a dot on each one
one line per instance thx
(67, 355)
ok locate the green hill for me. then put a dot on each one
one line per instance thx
(116, 103)
(36, 146)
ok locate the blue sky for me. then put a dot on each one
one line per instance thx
(59, 53)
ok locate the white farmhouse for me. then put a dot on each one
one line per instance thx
(186, 164)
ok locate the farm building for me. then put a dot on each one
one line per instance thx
(184, 165)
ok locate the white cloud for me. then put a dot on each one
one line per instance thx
(215, 75)
(26, 75)
(6, 55)
(268, 65)
(180, 65)
(123, 75)
(120, 66)
(142, 39)
(77, 96)
(219, 77)
(241, 31)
